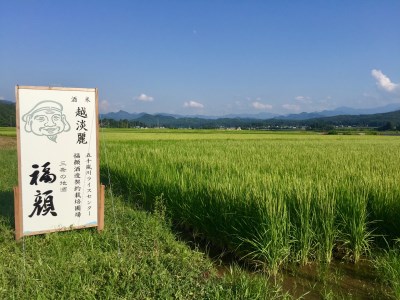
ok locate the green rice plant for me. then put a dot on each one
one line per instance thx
(299, 200)
(355, 236)
(222, 186)
(384, 205)
(324, 210)
(268, 244)
(388, 266)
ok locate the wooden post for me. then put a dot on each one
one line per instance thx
(100, 210)
(17, 214)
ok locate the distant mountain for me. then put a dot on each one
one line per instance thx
(123, 115)
(259, 116)
(342, 116)
(7, 102)
(366, 111)
(340, 111)
(302, 116)
(318, 123)
(366, 120)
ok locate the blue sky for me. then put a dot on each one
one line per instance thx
(206, 57)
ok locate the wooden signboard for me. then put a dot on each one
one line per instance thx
(58, 160)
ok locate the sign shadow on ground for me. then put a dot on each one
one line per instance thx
(7, 207)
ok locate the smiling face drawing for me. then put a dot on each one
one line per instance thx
(46, 119)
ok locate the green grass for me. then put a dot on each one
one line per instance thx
(136, 257)
(7, 131)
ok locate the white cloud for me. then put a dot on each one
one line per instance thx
(383, 81)
(293, 107)
(303, 99)
(2, 98)
(261, 106)
(144, 98)
(193, 104)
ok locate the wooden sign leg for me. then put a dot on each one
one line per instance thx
(100, 214)
(17, 214)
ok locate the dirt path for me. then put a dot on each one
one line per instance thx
(7, 142)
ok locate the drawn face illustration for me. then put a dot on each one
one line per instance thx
(46, 119)
(47, 122)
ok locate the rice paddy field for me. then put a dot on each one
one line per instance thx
(271, 199)
(281, 205)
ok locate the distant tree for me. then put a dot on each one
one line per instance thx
(320, 125)
(110, 123)
(7, 114)
(388, 126)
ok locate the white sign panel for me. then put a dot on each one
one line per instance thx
(58, 159)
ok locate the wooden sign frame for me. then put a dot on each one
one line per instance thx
(57, 135)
